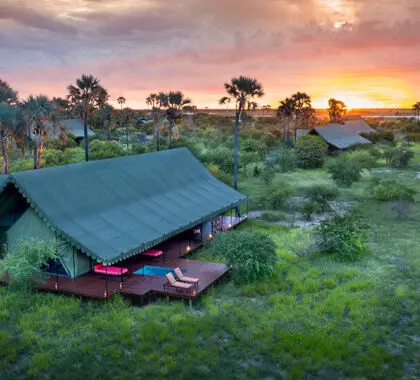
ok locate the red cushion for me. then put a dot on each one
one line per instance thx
(152, 252)
(113, 271)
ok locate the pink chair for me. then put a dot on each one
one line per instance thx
(110, 270)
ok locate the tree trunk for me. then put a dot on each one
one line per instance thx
(126, 131)
(236, 148)
(4, 154)
(171, 126)
(86, 138)
(22, 149)
(39, 152)
(28, 138)
(35, 152)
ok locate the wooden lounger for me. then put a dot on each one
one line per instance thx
(176, 284)
(183, 278)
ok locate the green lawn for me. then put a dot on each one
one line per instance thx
(315, 318)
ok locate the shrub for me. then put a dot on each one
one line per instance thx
(363, 158)
(276, 216)
(257, 171)
(398, 157)
(99, 150)
(310, 152)
(344, 236)
(275, 195)
(391, 190)
(344, 171)
(321, 194)
(300, 241)
(308, 209)
(23, 262)
(250, 254)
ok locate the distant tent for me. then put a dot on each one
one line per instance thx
(337, 136)
(73, 126)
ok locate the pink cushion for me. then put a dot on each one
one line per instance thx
(152, 252)
(113, 271)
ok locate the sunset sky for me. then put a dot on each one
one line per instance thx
(364, 52)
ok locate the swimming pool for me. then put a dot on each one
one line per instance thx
(149, 270)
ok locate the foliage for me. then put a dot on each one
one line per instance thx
(321, 194)
(310, 152)
(276, 216)
(344, 171)
(105, 149)
(250, 254)
(344, 236)
(24, 261)
(301, 242)
(284, 159)
(391, 190)
(308, 208)
(364, 158)
(274, 196)
(336, 110)
(399, 156)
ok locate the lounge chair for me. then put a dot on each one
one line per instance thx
(183, 278)
(109, 270)
(175, 284)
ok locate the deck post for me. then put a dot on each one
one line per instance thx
(106, 282)
(121, 274)
(56, 279)
(190, 304)
(231, 218)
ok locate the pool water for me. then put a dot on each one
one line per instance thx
(149, 270)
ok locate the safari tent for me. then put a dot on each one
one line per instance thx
(107, 211)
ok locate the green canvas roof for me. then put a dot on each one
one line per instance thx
(338, 136)
(112, 209)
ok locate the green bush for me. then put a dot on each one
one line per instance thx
(24, 261)
(99, 150)
(344, 236)
(276, 216)
(309, 208)
(344, 171)
(391, 190)
(399, 156)
(364, 158)
(274, 196)
(250, 254)
(310, 152)
(321, 194)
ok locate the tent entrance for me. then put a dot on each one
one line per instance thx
(54, 267)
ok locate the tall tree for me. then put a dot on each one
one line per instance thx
(121, 101)
(416, 107)
(242, 89)
(225, 100)
(336, 110)
(172, 104)
(107, 119)
(286, 112)
(38, 109)
(90, 95)
(303, 110)
(7, 119)
(7, 94)
(152, 100)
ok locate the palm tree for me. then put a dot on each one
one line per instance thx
(303, 109)
(19, 130)
(7, 94)
(286, 112)
(7, 119)
(90, 95)
(152, 100)
(224, 100)
(38, 109)
(121, 100)
(416, 107)
(172, 104)
(241, 89)
(106, 118)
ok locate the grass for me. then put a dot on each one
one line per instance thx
(315, 318)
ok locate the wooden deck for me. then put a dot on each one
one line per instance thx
(137, 287)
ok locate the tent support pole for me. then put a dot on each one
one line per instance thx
(56, 278)
(231, 218)
(106, 282)
(121, 273)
